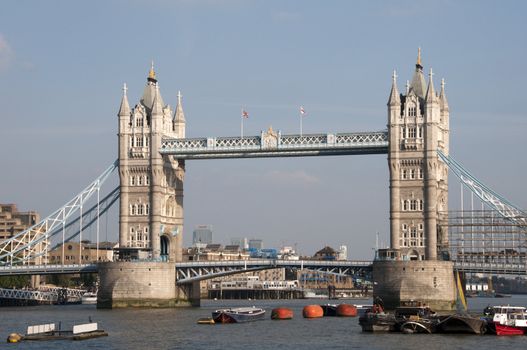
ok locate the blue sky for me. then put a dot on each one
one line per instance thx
(63, 63)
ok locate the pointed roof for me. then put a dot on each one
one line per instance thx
(147, 100)
(418, 83)
(124, 109)
(179, 116)
(157, 106)
(394, 99)
(430, 92)
(442, 96)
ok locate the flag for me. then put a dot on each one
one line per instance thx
(245, 114)
(302, 111)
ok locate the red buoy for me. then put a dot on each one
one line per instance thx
(312, 311)
(281, 313)
(346, 310)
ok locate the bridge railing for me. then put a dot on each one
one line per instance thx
(271, 141)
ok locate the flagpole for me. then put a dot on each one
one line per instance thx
(301, 124)
(241, 125)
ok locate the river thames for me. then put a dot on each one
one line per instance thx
(177, 329)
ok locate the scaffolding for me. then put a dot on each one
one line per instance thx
(486, 237)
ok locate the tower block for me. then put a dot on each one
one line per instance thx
(151, 202)
(416, 263)
(151, 208)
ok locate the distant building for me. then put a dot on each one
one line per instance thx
(85, 252)
(242, 242)
(342, 253)
(255, 243)
(309, 279)
(326, 253)
(214, 252)
(13, 221)
(202, 236)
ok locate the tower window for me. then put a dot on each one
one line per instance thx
(140, 181)
(404, 174)
(412, 174)
(412, 111)
(147, 180)
(132, 180)
(411, 133)
(413, 204)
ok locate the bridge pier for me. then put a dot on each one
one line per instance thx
(428, 281)
(142, 284)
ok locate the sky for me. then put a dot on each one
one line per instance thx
(63, 64)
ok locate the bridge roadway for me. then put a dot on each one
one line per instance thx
(191, 271)
(274, 144)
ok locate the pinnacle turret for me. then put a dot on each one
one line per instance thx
(124, 109)
(394, 99)
(157, 104)
(442, 96)
(179, 116)
(430, 92)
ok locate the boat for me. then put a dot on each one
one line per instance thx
(238, 315)
(329, 309)
(457, 323)
(281, 313)
(49, 332)
(510, 320)
(362, 309)
(313, 311)
(89, 298)
(377, 322)
(206, 320)
(415, 319)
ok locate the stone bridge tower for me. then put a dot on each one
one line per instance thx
(151, 202)
(418, 124)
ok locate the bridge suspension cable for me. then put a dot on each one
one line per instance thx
(32, 243)
(492, 199)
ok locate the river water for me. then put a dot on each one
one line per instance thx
(177, 329)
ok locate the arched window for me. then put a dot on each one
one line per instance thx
(412, 174)
(140, 209)
(421, 205)
(404, 174)
(140, 180)
(405, 205)
(147, 209)
(132, 180)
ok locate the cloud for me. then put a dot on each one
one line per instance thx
(6, 54)
(298, 177)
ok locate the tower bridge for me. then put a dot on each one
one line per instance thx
(153, 155)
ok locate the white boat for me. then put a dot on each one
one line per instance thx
(89, 298)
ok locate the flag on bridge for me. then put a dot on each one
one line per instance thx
(302, 111)
(245, 114)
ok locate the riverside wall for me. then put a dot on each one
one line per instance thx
(428, 281)
(142, 284)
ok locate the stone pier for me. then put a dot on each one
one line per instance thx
(143, 284)
(427, 281)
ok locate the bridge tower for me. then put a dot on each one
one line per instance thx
(418, 125)
(415, 266)
(151, 201)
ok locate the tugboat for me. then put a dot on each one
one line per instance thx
(376, 320)
(238, 315)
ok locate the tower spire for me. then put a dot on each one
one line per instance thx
(157, 107)
(179, 116)
(442, 96)
(152, 73)
(418, 64)
(430, 92)
(124, 109)
(394, 93)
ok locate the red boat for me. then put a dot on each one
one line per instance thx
(513, 324)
